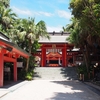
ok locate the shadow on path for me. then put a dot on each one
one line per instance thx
(9, 84)
(75, 90)
(69, 73)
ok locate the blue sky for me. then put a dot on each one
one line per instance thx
(55, 13)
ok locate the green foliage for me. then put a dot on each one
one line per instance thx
(32, 62)
(82, 69)
(25, 33)
(22, 75)
(7, 18)
(5, 3)
(88, 13)
(35, 46)
(85, 26)
(29, 75)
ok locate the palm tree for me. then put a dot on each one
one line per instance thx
(7, 18)
(31, 32)
(5, 3)
(64, 29)
(41, 30)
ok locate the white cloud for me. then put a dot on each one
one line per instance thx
(22, 12)
(31, 13)
(64, 14)
(45, 14)
(52, 28)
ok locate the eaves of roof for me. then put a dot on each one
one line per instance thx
(15, 48)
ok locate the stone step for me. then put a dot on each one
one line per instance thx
(55, 73)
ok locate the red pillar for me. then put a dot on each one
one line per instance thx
(43, 60)
(64, 57)
(42, 53)
(41, 56)
(1, 67)
(15, 70)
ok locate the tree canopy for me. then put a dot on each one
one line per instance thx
(84, 28)
(22, 31)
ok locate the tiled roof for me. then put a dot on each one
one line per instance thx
(4, 37)
(6, 40)
(55, 38)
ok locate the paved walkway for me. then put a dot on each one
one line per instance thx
(50, 89)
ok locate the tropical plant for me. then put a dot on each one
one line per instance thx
(84, 29)
(24, 32)
(29, 35)
(41, 30)
(5, 3)
(7, 18)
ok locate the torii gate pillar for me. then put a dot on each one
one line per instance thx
(64, 56)
(43, 60)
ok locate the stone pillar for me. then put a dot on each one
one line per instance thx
(48, 60)
(59, 61)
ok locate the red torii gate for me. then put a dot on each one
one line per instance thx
(62, 46)
(9, 52)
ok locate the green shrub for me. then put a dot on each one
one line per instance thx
(22, 75)
(82, 70)
(29, 75)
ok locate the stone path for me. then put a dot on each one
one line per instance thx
(63, 87)
(52, 90)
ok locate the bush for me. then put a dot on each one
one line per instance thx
(29, 75)
(22, 75)
(83, 70)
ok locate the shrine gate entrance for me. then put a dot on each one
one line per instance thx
(54, 55)
(55, 52)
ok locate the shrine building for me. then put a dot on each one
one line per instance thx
(56, 51)
(9, 52)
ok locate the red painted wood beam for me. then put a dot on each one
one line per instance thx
(20, 53)
(57, 46)
(8, 59)
(14, 49)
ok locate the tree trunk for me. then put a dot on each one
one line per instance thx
(27, 63)
(86, 57)
(86, 61)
